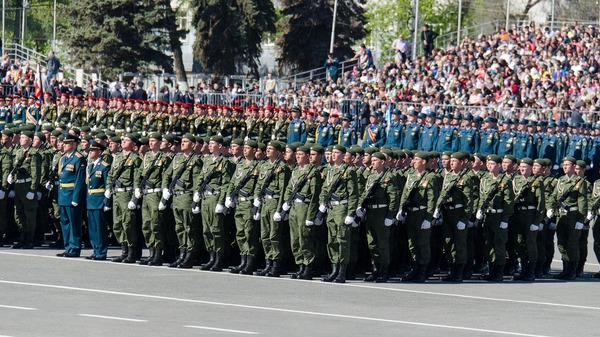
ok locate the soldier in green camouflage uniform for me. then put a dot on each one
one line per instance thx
(5, 167)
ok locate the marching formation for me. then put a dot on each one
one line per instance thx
(182, 180)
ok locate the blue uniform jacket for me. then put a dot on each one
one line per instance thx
(71, 179)
(96, 184)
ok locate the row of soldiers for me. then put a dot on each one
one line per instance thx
(186, 193)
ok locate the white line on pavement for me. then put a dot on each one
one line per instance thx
(292, 311)
(115, 318)
(222, 330)
(15, 307)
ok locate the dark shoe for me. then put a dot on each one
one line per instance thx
(91, 257)
(308, 272)
(497, 274)
(383, 275)
(410, 276)
(456, 274)
(180, 259)
(57, 244)
(268, 266)
(335, 268)
(99, 258)
(217, 266)
(539, 270)
(21, 242)
(563, 273)
(158, 258)
(237, 269)
(529, 274)
(150, 257)
(597, 275)
(420, 275)
(27, 245)
(210, 262)
(124, 253)
(571, 272)
(468, 271)
(275, 270)
(351, 272)
(249, 268)
(71, 255)
(61, 254)
(300, 271)
(130, 256)
(374, 274)
(188, 261)
(341, 276)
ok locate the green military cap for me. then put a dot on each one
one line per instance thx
(176, 140)
(87, 137)
(16, 131)
(111, 133)
(262, 146)
(371, 150)
(303, 149)
(447, 153)
(56, 133)
(86, 128)
(434, 154)
(422, 155)
(388, 152)
(101, 135)
(115, 139)
(571, 159)
(297, 144)
(7, 132)
(10, 125)
(291, 147)
(134, 138)
(48, 128)
(200, 140)
(41, 136)
(206, 139)
(466, 153)
(340, 148)
(480, 156)
(385, 147)
(226, 142)
(144, 140)
(540, 161)
(351, 151)
(458, 155)
(401, 154)
(357, 149)
(409, 153)
(61, 137)
(581, 164)
(192, 138)
(495, 158)
(237, 141)
(317, 148)
(276, 145)
(169, 138)
(76, 131)
(28, 127)
(547, 162)
(527, 161)
(155, 135)
(378, 155)
(511, 158)
(217, 139)
(252, 143)
(28, 134)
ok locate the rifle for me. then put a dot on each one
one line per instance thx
(113, 183)
(52, 177)
(147, 128)
(144, 180)
(204, 184)
(73, 116)
(524, 189)
(446, 197)
(328, 197)
(411, 195)
(594, 210)
(369, 196)
(234, 194)
(265, 185)
(18, 167)
(560, 202)
(491, 195)
(177, 176)
(296, 192)
(135, 119)
(99, 120)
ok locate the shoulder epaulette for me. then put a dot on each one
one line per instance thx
(78, 155)
(105, 163)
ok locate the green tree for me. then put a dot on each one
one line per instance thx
(307, 31)
(229, 33)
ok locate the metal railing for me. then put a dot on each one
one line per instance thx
(316, 73)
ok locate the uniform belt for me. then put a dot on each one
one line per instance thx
(181, 192)
(341, 202)
(495, 211)
(207, 193)
(300, 201)
(21, 181)
(457, 206)
(524, 208)
(96, 191)
(570, 209)
(377, 206)
(152, 190)
(274, 196)
(246, 199)
(414, 209)
(66, 185)
(123, 189)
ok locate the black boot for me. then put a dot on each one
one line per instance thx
(276, 270)
(539, 269)
(123, 256)
(182, 254)
(130, 255)
(524, 268)
(529, 274)
(351, 271)
(468, 271)
(383, 275)
(579, 271)
(571, 272)
(308, 272)
(218, 265)
(456, 273)
(410, 276)
(420, 275)
(249, 268)
(341, 276)
(335, 268)
(268, 266)
(563, 273)
(497, 274)
(150, 257)
(158, 258)
(28, 242)
(188, 261)
(170, 254)
(21, 242)
(300, 271)
(374, 274)
(210, 262)
(237, 269)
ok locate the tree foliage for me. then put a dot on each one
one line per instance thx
(229, 33)
(306, 36)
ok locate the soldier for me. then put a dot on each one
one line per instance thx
(592, 217)
(5, 168)
(395, 131)
(124, 176)
(347, 136)
(374, 135)
(429, 133)
(468, 136)
(214, 180)
(297, 128)
(324, 134)
(25, 177)
(5, 114)
(448, 136)
(96, 179)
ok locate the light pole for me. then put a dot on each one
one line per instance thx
(507, 14)
(415, 29)
(335, 4)
(54, 28)
(459, 22)
(3, 17)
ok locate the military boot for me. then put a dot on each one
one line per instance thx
(276, 270)
(383, 275)
(571, 272)
(182, 254)
(374, 274)
(21, 242)
(237, 269)
(456, 273)
(468, 271)
(410, 276)
(130, 255)
(579, 270)
(420, 275)
(123, 256)
(524, 267)
(335, 268)
(218, 265)
(300, 271)
(158, 258)
(308, 272)
(563, 273)
(249, 267)
(539, 269)
(341, 276)
(28, 242)
(268, 266)
(188, 261)
(150, 257)
(351, 271)
(210, 262)
(497, 274)
(529, 274)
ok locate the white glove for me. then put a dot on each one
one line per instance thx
(11, 194)
(56, 123)
(196, 197)
(598, 211)
(229, 203)
(256, 216)
(74, 204)
(479, 214)
(137, 193)
(552, 226)
(578, 226)
(541, 227)
(219, 208)
(108, 194)
(69, 125)
(555, 167)
(550, 213)
(272, 137)
(277, 216)
(246, 138)
(10, 179)
(534, 228)
(286, 207)
(106, 208)
(40, 122)
(318, 222)
(39, 195)
(2, 194)
(359, 212)
(354, 224)
(471, 224)
(426, 224)
(131, 205)
(256, 202)
(196, 210)
(49, 186)
(128, 129)
(161, 206)
(29, 195)
(112, 128)
(322, 208)
(400, 216)
(388, 222)
(94, 128)
(309, 223)
(437, 214)
(504, 225)
(461, 225)
(349, 220)
(590, 216)
(166, 194)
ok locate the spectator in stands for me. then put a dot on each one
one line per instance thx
(177, 94)
(52, 64)
(402, 48)
(152, 91)
(332, 65)
(428, 37)
(270, 84)
(139, 93)
(364, 57)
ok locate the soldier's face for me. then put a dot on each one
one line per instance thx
(37, 142)
(25, 141)
(249, 152)
(213, 147)
(445, 161)
(272, 153)
(337, 156)
(419, 163)
(525, 169)
(492, 166)
(69, 146)
(235, 150)
(289, 154)
(456, 164)
(127, 144)
(366, 160)
(154, 144)
(186, 144)
(113, 147)
(377, 163)
(315, 158)
(580, 171)
(302, 158)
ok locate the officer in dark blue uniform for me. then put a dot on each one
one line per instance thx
(71, 194)
(447, 139)
(296, 128)
(523, 146)
(576, 143)
(412, 132)
(429, 133)
(5, 114)
(347, 135)
(507, 139)
(549, 144)
(324, 135)
(374, 133)
(394, 134)
(468, 136)
(489, 136)
(96, 174)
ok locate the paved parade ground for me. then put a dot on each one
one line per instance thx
(44, 295)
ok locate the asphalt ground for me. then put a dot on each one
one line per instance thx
(45, 295)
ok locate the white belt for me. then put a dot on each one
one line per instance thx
(246, 199)
(181, 192)
(123, 189)
(570, 209)
(275, 196)
(414, 209)
(207, 193)
(377, 206)
(299, 201)
(523, 208)
(457, 206)
(341, 202)
(21, 181)
(495, 211)
(152, 190)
